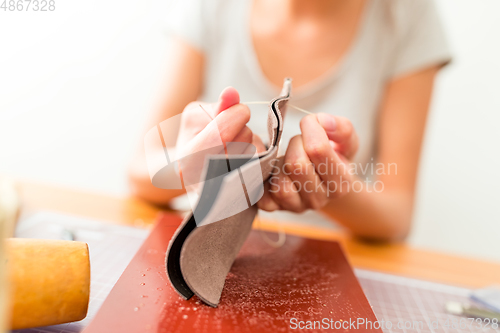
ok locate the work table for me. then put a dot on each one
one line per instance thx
(397, 258)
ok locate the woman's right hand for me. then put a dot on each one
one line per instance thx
(206, 128)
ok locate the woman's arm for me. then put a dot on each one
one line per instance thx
(184, 84)
(315, 172)
(387, 215)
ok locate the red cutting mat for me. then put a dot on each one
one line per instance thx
(268, 290)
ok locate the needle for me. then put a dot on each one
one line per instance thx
(208, 114)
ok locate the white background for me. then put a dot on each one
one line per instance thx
(77, 84)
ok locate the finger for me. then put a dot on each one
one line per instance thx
(300, 169)
(230, 117)
(232, 121)
(315, 139)
(224, 128)
(341, 131)
(227, 98)
(242, 143)
(257, 142)
(267, 202)
(245, 135)
(317, 146)
(285, 193)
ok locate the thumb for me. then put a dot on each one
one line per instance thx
(227, 98)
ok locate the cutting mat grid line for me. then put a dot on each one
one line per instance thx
(393, 298)
(402, 300)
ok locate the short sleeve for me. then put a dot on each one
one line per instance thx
(422, 42)
(187, 21)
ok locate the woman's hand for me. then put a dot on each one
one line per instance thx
(315, 167)
(206, 128)
(206, 125)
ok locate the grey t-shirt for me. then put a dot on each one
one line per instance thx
(394, 38)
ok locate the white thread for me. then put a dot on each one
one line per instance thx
(281, 236)
(291, 105)
(255, 102)
(300, 109)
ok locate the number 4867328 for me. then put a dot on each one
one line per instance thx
(28, 5)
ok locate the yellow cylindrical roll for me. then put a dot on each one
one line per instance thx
(49, 281)
(9, 210)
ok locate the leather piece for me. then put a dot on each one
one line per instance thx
(305, 279)
(205, 270)
(200, 255)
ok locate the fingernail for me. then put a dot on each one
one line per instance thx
(327, 122)
(228, 97)
(222, 93)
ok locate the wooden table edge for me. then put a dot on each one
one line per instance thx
(398, 258)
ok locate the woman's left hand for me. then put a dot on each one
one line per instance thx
(315, 168)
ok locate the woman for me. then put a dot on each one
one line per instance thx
(365, 68)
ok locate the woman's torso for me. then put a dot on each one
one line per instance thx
(388, 38)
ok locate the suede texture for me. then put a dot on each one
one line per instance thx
(200, 254)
